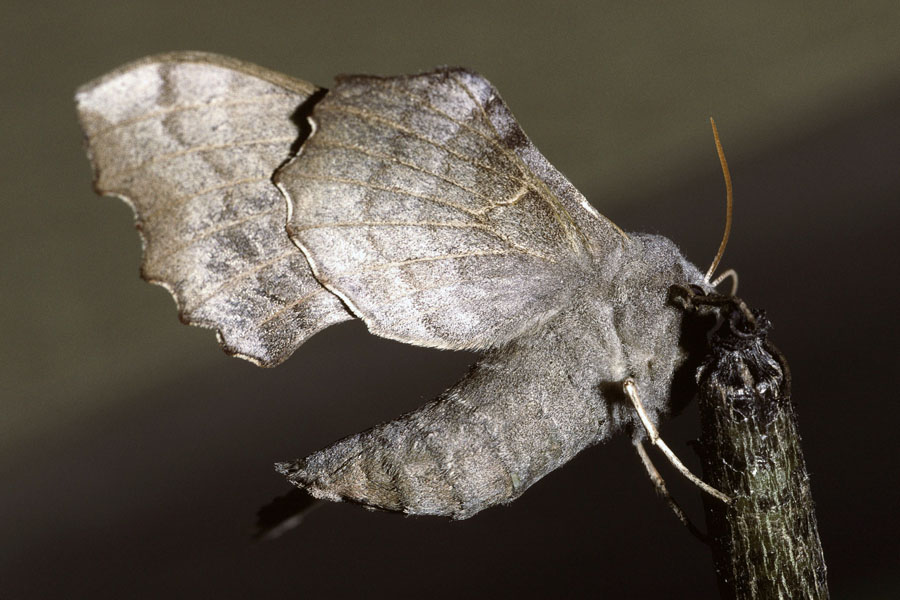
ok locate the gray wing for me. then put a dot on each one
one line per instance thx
(523, 410)
(421, 203)
(190, 141)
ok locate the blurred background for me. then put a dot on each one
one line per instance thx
(134, 454)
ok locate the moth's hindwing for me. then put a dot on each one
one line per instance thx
(191, 141)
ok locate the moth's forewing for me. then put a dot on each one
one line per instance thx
(415, 202)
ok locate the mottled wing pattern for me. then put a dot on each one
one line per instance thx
(421, 203)
(191, 141)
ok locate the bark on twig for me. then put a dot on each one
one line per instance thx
(765, 542)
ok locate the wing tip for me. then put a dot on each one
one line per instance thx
(298, 474)
(290, 468)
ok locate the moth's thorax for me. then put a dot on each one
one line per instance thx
(635, 331)
(651, 264)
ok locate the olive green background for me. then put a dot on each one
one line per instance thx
(133, 453)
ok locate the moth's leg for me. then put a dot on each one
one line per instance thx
(653, 434)
(659, 482)
(734, 280)
(663, 491)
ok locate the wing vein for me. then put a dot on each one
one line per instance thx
(195, 149)
(387, 188)
(468, 92)
(561, 213)
(288, 307)
(495, 443)
(368, 115)
(442, 460)
(493, 141)
(232, 280)
(451, 224)
(397, 160)
(214, 230)
(411, 261)
(184, 199)
(183, 108)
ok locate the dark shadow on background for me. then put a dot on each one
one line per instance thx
(282, 514)
(160, 495)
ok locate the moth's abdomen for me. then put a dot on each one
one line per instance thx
(483, 443)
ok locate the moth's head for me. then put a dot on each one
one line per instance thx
(655, 263)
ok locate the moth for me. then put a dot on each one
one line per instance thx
(272, 209)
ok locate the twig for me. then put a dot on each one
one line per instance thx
(765, 542)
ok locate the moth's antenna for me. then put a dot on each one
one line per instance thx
(729, 203)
